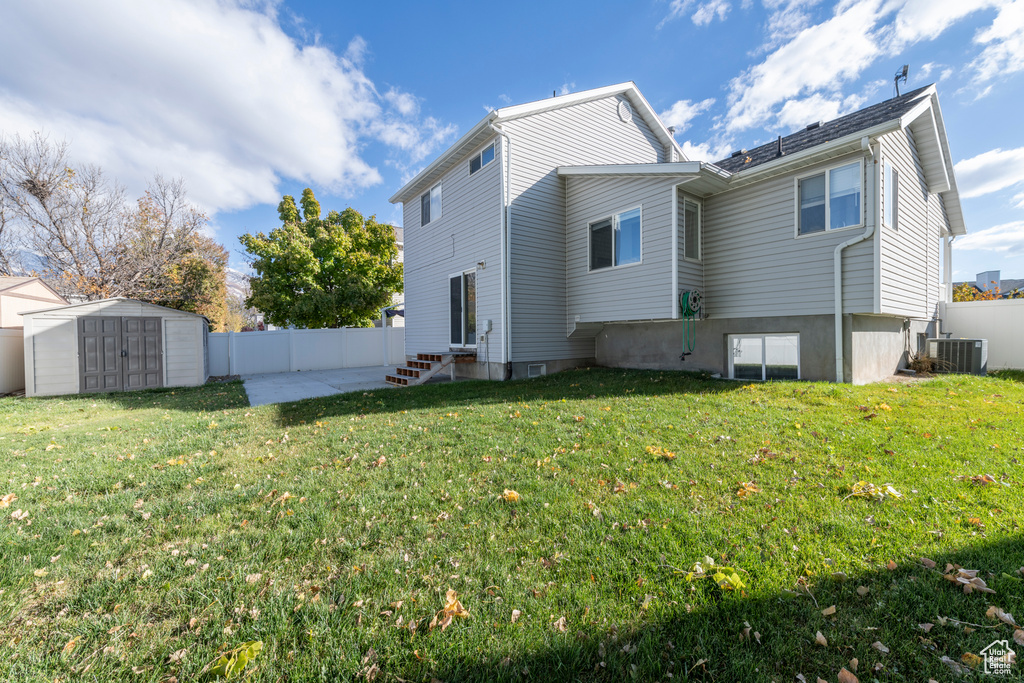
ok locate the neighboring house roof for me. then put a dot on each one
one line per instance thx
(858, 121)
(1006, 285)
(9, 283)
(482, 131)
(116, 298)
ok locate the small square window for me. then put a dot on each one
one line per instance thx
(830, 200)
(616, 241)
(485, 157)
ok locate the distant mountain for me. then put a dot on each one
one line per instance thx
(237, 283)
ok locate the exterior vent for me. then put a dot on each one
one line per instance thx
(536, 370)
(816, 124)
(968, 356)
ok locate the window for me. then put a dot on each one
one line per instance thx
(830, 200)
(485, 157)
(430, 205)
(689, 214)
(764, 356)
(462, 308)
(615, 241)
(890, 206)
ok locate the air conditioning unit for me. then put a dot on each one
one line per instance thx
(969, 356)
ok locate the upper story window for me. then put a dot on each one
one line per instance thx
(430, 205)
(830, 200)
(891, 199)
(485, 157)
(616, 241)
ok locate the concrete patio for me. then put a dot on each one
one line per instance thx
(282, 387)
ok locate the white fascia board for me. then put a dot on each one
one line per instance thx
(446, 156)
(951, 197)
(529, 108)
(679, 168)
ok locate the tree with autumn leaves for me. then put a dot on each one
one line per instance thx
(317, 271)
(76, 228)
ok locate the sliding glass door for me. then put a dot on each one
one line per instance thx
(462, 309)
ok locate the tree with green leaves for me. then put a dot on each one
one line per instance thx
(314, 272)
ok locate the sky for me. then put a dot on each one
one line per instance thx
(249, 100)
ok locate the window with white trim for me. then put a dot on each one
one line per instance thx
(462, 308)
(891, 198)
(616, 241)
(764, 356)
(690, 220)
(430, 205)
(830, 200)
(485, 157)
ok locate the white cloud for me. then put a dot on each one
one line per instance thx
(1008, 237)
(683, 112)
(713, 150)
(798, 113)
(705, 13)
(820, 59)
(215, 92)
(708, 11)
(990, 172)
(1004, 43)
(566, 88)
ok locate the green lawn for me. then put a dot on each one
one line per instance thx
(153, 531)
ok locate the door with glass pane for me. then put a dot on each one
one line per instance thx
(462, 309)
(764, 356)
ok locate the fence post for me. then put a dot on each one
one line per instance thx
(232, 363)
(291, 349)
(384, 329)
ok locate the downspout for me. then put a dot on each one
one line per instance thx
(506, 282)
(837, 266)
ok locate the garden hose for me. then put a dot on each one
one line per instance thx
(689, 305)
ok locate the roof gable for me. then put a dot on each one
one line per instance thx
(484, 130)
(111, 301)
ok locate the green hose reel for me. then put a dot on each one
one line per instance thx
(689, 306)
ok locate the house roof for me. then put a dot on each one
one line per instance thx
(482, 131)
(8, 283)
(117, 298)
(864, 119)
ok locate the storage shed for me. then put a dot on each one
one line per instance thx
(113, 345)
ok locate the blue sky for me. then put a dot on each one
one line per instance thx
(251, 100)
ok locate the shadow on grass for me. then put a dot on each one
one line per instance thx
(1011, 375)
(208, 397)
(707, 642)
(570, 384)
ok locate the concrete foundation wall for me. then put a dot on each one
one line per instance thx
(880, 345)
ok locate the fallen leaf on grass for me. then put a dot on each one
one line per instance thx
(619, 487)
(7, 500)
(1018, 637)
(177, 656)
(233, 662)
(40, 573)
(891, 565)
(846, 677)
(881, 648)
(560, 625)
(828, 611)
(747, 488)
(928, 563)
(954, 665)
(820, 639)
(967, 578)
(926, 627)
(510, 496)
(865, 489)
(19, 515)
(379, 462)
(854, 663)
(515, 615)
(1005, 617)
(863, 590)
(972, 660)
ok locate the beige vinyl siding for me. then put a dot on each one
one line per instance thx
(585, 133)
(640, 291)
(469, 231)
(51, 351)
(908, 256)
(755, 266)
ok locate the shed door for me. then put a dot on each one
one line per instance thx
(142, 353)
(116, 354)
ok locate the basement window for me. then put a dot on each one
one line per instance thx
(616, 241)
(485, 157)
(762, 357)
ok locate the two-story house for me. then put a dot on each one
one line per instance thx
(572, 231)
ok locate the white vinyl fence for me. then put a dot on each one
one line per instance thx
(1001, 322)
(252, 353)
(12, 360)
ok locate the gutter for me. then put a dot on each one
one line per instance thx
(506, 238)
(837, 266)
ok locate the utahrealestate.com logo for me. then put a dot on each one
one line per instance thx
(999, 658)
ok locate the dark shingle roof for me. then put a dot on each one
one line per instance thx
(831, 130)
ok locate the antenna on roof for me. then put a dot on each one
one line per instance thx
(901, 75)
